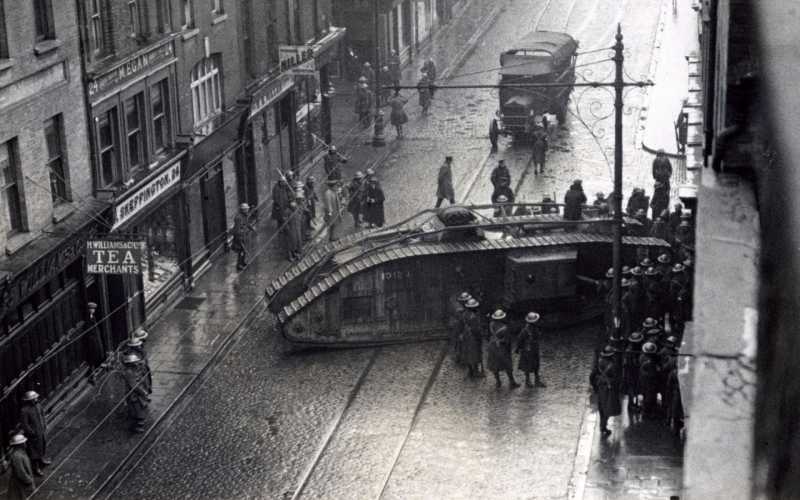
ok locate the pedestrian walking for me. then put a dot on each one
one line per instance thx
(423, 88)
(20, 480)
(394, 68)
(96, 349)
(281, 196)
(136, 395)
(333, 209)
(500, 350)
(373, 203)
(500, 176)
(332, 161)
(630, 370)
(472, 339)
(605, 383)
(356, 194)
(660, 200)
(662, 169)
(136, 346)
(444, 190)
(241, 235)
(33, 424)
(429, 68)
(539, 148)
(574, 200)
(398, 116)
(528, 350)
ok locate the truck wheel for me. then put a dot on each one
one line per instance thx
(494, 132)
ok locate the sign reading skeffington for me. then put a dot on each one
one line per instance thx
(114, 256)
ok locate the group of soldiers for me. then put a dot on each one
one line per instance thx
(469, 331)
(28, 447)
(138, 379)
(294, 208)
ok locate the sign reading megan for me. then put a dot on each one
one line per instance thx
(114, 256)
(133, 204)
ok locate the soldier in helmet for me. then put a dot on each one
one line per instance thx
(472, 339)
(500, 350)
(528, 350)
(136, 346)
(281, 195)
(311, 200)
(630, 370)
(456, 322)
(241, 235)
(500, 176)
(33, 424)
(136, 395)
(356, 190)
(20, 480)
(605, 382)
(648, 379)
(295, 234)
(332, 161)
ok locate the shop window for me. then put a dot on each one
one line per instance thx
(136, 130)
(45, 25)
(206, 90)
(160, 113)
(108, 145)
(3, 34)
(11, 189)
(56, 161)
(161, 229)
(96, 32)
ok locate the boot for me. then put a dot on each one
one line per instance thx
(528, 380)
(37, 471)
(497, 380)
(539, 382)
(43, 462)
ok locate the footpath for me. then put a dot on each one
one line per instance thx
(91, 442)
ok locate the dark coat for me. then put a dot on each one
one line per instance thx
(499, 348)
(385, 81)
(398, 115)
(356, 193)
(424, 91)
(605, 381)
(472, 339)
(635, 202)
(674, 220)
(573, 201)
(241, 232)
(504, 191)
(394, 69)
(373, 204)
(662, 170)
(500, 176)
(33, 424)
(136, 393)
(528, 347)
(311, 199)
(445, 188)
(97, 352)
(630, 370)
(144, 367)
(660, 201)
(332, 170)
(539, 146)
(20, 481)
(295, 232)
(369, 74)
(281, 194)
(430, 68)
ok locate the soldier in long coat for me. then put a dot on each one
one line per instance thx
(332, 161)
(444, 189)
(333, 210)
(472, 339)
(356, 192)
(528, 350)
(574, 199)
(630, 370)
(384, 82)
(675, 217)
(311, 200)
(20, 480)
(660, 200)
(456, 321)
(539, 148)
(648, 379)
(295, 234)
(662, 169)
(500, 350)
(136, 346)
(33, 424)
(373, 203)
(637, 201)
(398, 116)
(365, 103)
(675, 410)
(136, 395)
(241, 235)
(605, 382)
(281, 195)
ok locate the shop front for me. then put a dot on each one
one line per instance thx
(43, 321)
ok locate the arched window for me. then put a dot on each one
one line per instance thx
(206, 90)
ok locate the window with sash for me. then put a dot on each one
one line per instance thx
(45, 24)
(56, 161)
(206, 91)
(11, 190)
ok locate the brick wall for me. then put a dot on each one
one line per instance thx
(34, 89)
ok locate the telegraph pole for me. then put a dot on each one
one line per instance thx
(379, 138)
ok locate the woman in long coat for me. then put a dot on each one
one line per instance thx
(471, 353)
(373, 203)
(398, 117)
(605, 382)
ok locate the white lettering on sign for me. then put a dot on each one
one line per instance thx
(114, 257)
(297, 59)
(271, 95)
(395, 275)
(131, 205)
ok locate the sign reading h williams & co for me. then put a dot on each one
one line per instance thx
(114, 256)
(133, 204)
(297, 59)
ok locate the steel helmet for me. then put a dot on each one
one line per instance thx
(18, 440)
(532, 317)
(30, 396)
(130, 358)
(499, 314)
(464, 297)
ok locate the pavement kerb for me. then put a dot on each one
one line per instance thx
(651, 75)
(583, 453)
(215, 358)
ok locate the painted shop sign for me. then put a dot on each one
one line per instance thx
(130, 206)
(114, 256)
(297, 59)
(272, 93)
(130, 69)
(27, 282)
